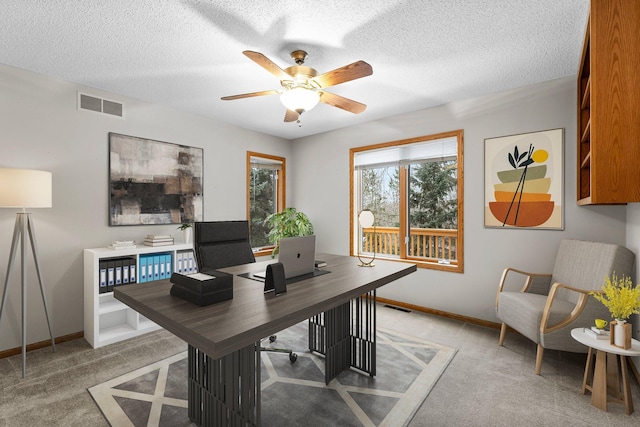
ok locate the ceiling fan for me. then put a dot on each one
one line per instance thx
(302, 87)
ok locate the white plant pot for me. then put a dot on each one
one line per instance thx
(618, 334)
(188, 235)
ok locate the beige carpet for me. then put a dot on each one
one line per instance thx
(292, 394)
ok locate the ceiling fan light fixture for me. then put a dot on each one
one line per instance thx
(300, 99)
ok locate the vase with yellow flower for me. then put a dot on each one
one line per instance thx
(622, 299)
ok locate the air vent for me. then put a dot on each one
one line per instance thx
(99, 105)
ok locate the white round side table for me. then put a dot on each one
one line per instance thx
(606, 376)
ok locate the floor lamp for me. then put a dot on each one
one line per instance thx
(25, 188)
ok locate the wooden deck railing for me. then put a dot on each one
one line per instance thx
(430, 243)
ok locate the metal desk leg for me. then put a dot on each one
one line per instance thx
(225, 392)
(338, 340)
(346, 335)
(363, 334)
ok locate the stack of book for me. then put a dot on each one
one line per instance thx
(601, 334)
(122, 244)
(158, 240)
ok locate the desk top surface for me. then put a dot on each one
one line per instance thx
(227, 326)
(581, 336)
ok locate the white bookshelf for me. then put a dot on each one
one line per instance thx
(107, 320)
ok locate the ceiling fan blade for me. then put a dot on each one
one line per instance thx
(249, 95)
(291, 116)
(349, 72)
(267, 64)
(342, 102)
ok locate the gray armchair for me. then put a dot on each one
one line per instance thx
(548, 306)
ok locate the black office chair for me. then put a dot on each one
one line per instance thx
(221, 244)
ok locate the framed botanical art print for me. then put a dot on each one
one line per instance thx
(524, 180)
(153, 182)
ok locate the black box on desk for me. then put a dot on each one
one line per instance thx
(200, 290)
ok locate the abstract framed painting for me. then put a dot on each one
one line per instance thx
(524, 181)
(154, 182)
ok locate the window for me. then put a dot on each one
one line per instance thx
(265, 195)
(414, 187)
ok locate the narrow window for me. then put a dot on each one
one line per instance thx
(265, 195)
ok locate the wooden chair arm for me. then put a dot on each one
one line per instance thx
(582, 302)
(527, 283)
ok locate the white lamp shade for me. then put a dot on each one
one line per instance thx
(366, 218)
(300, 99)
(25, 188)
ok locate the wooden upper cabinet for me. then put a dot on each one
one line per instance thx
(609, 105)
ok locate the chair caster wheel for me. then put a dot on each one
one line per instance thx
(293, 357)
(272, 338)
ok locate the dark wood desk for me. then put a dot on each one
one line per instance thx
(224, 338)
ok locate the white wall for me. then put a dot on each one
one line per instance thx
(633, 243)
(322, 191)
(40, 128)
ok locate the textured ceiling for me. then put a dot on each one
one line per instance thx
(186, 54)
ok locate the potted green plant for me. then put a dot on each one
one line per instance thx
(187, 231)
(287, 223)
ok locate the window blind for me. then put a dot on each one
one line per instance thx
(419, 152)
(262, 163)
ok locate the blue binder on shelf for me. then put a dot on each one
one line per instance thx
(156, 267)
(143, 270)
(149, 268)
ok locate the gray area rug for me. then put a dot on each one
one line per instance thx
(292, 394)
